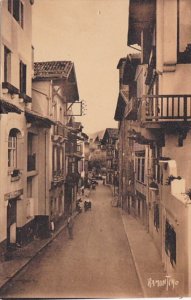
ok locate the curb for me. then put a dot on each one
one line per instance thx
(134, 259)
(35, 254)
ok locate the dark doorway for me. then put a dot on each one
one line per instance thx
(11, 222)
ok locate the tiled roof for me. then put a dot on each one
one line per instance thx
(51, 69)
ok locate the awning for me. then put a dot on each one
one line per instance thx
(33, 117)
(7, 107)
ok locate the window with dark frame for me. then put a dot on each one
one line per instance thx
(9, 6)
(23, 79)
(12, 150)
(140, 166)
(16, 8)
(7, 64)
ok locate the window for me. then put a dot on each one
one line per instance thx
(16, 8)
(54, 158)
(61, 115)
(7, 64)
(156, 153)
(12, 149)
(140, 166)
(23, 75)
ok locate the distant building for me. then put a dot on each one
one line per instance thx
(109, 140)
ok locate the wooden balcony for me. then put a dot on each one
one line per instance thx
(168, 108)
(164, 108)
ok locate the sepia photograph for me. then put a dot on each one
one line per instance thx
(95, 149)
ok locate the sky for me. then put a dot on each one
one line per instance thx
(92, 34)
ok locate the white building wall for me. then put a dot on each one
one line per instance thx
(19, 41)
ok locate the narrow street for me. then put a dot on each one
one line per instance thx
(96, 263)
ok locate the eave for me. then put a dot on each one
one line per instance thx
(141, 16)
(33, 117)
(120, 108)
(7, 107)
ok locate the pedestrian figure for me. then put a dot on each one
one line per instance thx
(70, 224)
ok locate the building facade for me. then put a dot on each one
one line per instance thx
(54, 92)
(109, 140)
(17, 212)
(36, 103)
(154, 117)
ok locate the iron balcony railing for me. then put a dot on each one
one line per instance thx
(160, 108)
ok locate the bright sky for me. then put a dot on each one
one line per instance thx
(92, 34)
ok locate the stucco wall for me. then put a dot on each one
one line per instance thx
(182, 155)
(19, 41)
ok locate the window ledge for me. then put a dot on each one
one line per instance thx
(16, 178)
(32, 173)
(26, 98)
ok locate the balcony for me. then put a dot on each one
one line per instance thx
(31, 162)
(57, 176)
(59, 133)
(131, 109)
(164, 108)
(73, 150)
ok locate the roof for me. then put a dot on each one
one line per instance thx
(112, 133)
(132, 61)
(121, 61)
(141, 15)
(52, 69)
(7, 107)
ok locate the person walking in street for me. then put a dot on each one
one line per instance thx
(70, 224)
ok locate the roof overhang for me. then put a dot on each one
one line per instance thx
(33, 117)
(120, 108)
(141, 16)
(7, 107)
